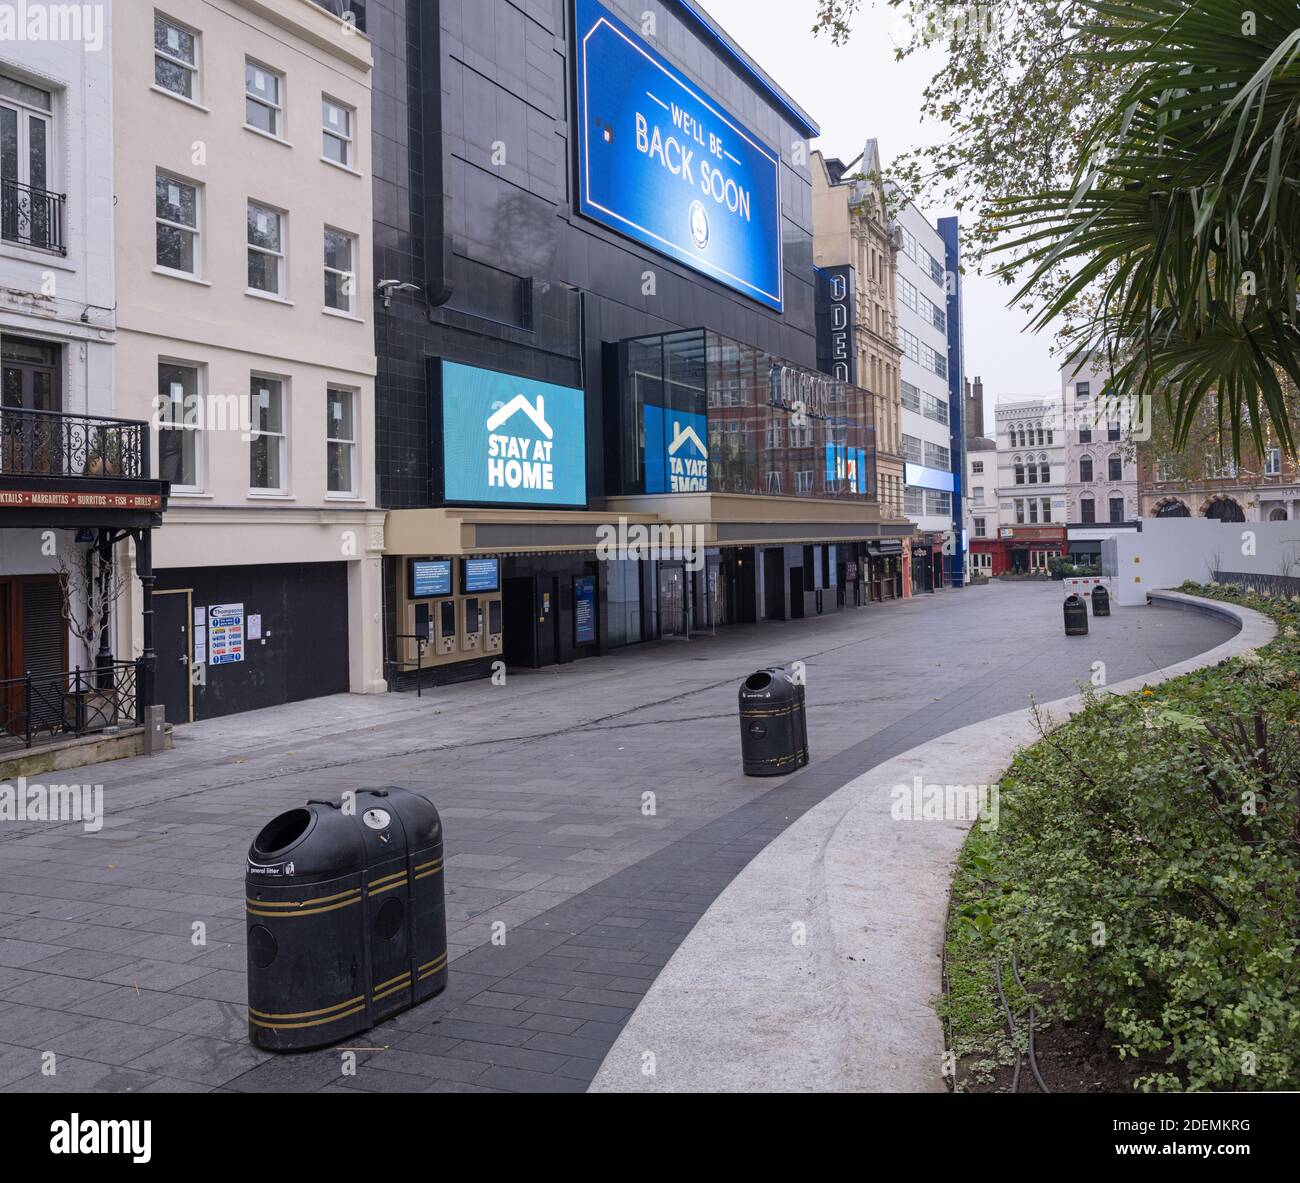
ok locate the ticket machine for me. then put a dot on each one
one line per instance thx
(445, 638)
(480, 583)
(432, 617)
(471, 638)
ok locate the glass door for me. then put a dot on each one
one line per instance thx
(672, 602)
(27, 212)
(29, 393)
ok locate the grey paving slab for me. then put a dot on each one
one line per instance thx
(543, 787)
(743, 1008)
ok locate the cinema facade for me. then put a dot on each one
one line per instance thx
(599, 415)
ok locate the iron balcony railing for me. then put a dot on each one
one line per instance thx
(32, 217)
(43, 707)
(52, 443)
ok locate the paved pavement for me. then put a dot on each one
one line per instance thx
(749, 1003)
(543, 785)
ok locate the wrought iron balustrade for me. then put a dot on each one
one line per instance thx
(43, 707)
(32, 217)
(52, 443)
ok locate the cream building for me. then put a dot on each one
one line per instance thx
(245, 335)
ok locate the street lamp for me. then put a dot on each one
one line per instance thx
(386, 288)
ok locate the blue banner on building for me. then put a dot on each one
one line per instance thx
(662, 164)
(918, 476)
(511, 441)
(676, 451)
(584, 611)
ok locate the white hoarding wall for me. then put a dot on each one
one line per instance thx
(1168, 551)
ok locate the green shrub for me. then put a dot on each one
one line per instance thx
(1147, 866)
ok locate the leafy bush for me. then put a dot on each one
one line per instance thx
(1058, 565)
(1147, 866)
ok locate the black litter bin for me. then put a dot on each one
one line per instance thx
(1076, 617)
(1100, 601)
(346, 922)
(773, 724)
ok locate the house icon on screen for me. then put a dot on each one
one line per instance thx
(537, 413)
(682, 435)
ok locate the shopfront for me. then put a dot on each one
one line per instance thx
(927, 565)
(79, 510)
(1019, 550)
(885, 570)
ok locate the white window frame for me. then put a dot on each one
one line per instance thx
(277, 108)
(24, 112)
(350, 288)
(1273, 462)
(196, 230)
(351, 492)
(347, 140)
(280, 256)
(200, 383)
(256, 433)
(196, 77)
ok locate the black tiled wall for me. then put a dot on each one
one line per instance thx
(530, 278)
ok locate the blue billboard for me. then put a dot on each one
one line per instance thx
(511, 441)
(676, 451)
(660, 163)
(847, 466)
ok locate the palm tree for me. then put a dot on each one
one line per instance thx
(1181, 232)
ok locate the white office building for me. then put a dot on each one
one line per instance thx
(1031, 462)
(1101, 489)
(923, 334)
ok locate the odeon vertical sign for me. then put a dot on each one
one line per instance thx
(661, 164)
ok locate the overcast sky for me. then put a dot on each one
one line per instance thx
(858, 91)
